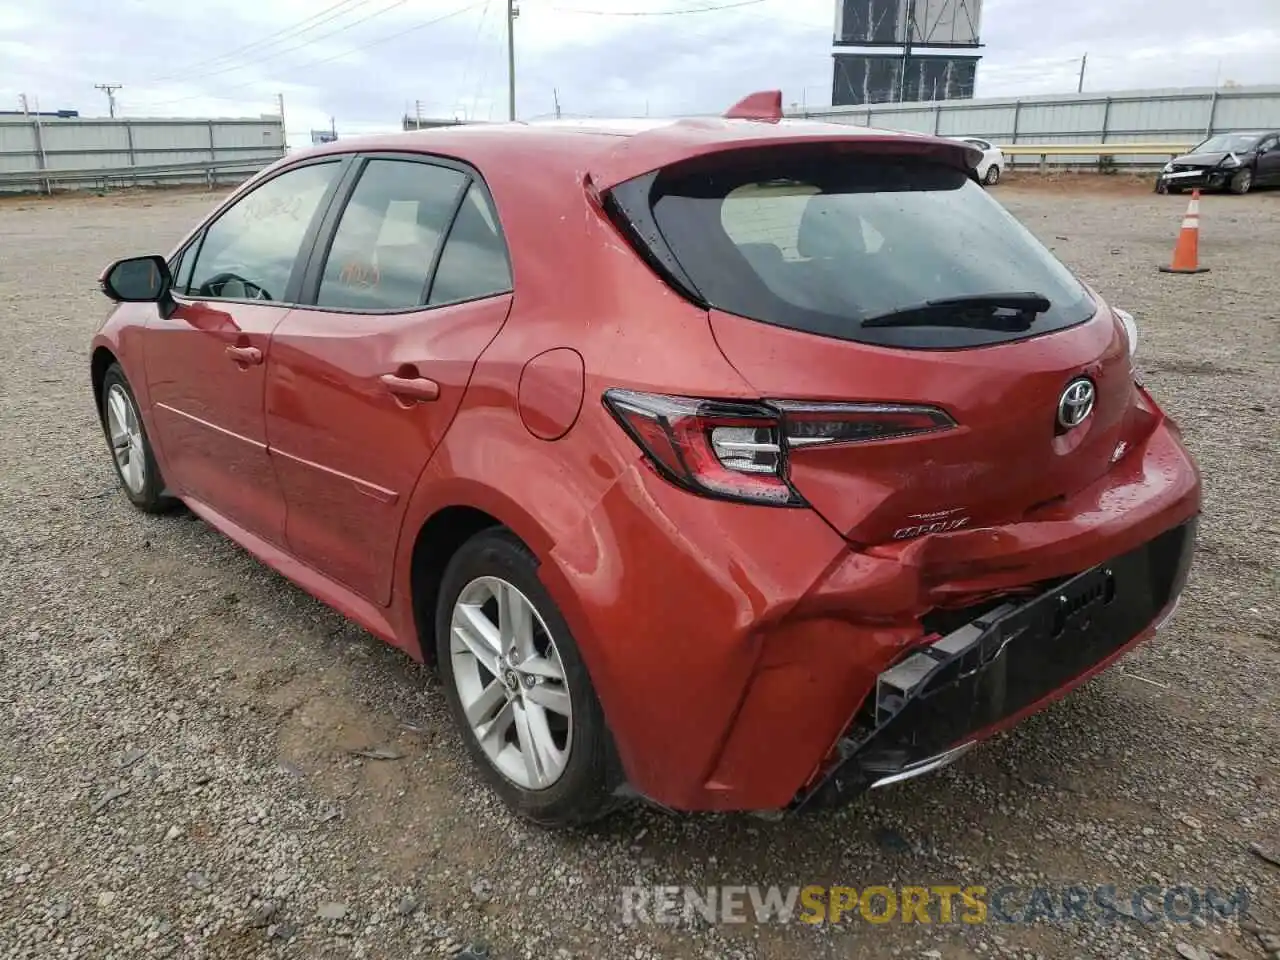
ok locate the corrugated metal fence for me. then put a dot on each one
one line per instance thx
(1179, 115)
(36, 152)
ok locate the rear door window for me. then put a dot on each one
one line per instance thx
(825, 242)
(389, 234)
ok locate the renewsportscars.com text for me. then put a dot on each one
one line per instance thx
(933, 904)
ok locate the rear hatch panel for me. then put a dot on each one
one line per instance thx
(829, 271)
(1005, 457)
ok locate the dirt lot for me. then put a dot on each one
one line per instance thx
(175, 719)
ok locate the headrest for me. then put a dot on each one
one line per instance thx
(827, 229)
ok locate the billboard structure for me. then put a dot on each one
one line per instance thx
(878, 78)
(906, 73)
(914, 23)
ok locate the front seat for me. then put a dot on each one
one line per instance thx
(835, 264)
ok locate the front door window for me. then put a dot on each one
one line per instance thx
(249, 252)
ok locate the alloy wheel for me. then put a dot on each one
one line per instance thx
(511, 683)
(125, 431)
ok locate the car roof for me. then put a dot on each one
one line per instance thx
(616, 149)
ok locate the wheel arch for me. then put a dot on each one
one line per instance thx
(100, 361)
(460, 511)
(438, 539)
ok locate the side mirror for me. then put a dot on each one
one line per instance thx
(137, 280)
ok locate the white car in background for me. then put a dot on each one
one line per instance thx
(992, 163)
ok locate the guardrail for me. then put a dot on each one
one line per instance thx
(1105, 152)
(46, 180)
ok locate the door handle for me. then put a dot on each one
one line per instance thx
(411, 388)
(245, 354)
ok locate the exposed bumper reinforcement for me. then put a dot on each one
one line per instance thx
(928, 765)
(934, 706)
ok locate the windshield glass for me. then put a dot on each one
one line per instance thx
(1227, 143)
(822, 243)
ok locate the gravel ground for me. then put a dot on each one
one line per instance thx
(177, 722)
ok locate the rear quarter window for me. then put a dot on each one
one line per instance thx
(474, 261)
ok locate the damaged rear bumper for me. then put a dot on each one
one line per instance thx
(932, 707)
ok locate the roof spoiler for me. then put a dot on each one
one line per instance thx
(761, 105)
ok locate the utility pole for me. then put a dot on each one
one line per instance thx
(284, 131)
(1080, 85)
(417, 112)
(42, 158)
(555, 95)
(513, 11)
(110, 90)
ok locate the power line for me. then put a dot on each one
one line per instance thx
(313, 63)
(306, 43)
(659, 13)
(482, 82)
(475, 50)
(296, 29)
(513, 11)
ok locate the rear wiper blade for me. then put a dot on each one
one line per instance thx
(978, 311)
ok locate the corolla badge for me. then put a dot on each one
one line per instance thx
(1076, 402)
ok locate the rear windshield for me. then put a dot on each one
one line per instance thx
(825, 242)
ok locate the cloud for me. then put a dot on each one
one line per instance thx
(365, 62)
(1129, 45)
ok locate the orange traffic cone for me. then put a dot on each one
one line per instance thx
(1186, 252)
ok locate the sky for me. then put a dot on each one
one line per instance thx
(362, 64)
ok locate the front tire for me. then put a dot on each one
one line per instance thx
(517, 687)
(993, 175)
(1242, 182)
(131, 452)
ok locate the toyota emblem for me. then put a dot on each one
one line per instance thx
(1076, 402)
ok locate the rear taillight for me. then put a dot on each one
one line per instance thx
(809, 424)
(738, 450)
(713, 447)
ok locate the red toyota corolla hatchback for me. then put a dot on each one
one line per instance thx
(734, 464)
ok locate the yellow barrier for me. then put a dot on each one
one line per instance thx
(1099, 150)
(1096, 149)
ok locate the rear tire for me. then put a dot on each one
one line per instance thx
(993, 175)
(130, 447)
(547, 751)
(1242, 182)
